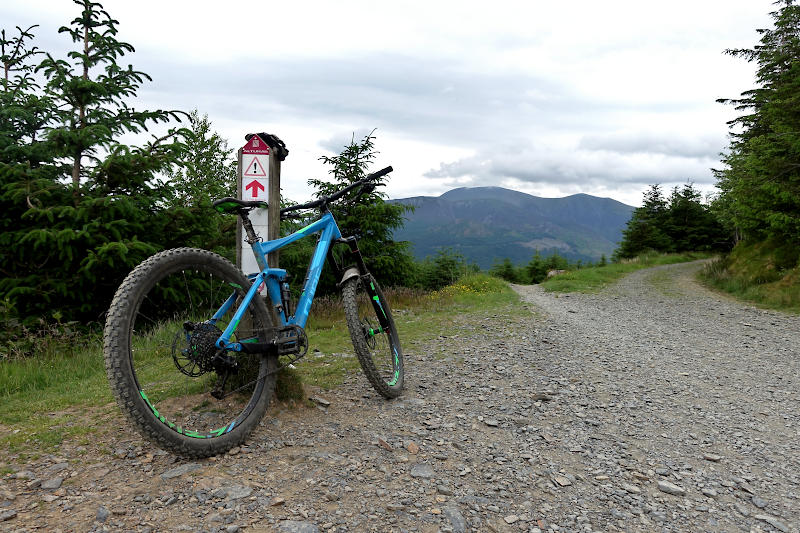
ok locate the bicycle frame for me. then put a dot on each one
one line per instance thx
(273, 277)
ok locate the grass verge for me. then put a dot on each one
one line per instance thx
(766, 274)
(419, 317)
(61, 394)
(593, 279)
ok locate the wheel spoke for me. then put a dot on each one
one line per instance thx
(169, 352)
(374, 336)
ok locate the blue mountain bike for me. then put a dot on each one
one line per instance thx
(192, 345)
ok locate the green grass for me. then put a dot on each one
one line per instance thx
(419, 317)
(766, 274)
(594, 279)
(62, 393)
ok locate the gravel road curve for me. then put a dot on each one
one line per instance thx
(655, 405)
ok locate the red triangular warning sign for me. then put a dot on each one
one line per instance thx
(256, 145)
(255, 169)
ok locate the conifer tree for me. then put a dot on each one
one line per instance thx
(28, 169)
(690, 224)
(645, 229)
(368, 217)
(505, 270)
(760, 184)
(536, 269)
(92, 93)
(445, 268)
(85, 208)
(207, 170)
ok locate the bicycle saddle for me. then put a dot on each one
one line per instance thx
(232, 205)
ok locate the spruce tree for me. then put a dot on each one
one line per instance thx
(207, 169)
(760, 184)
(505, 270)
(690, 225)
(92, 93)
(28, 169)
(85, 207)
(369, 217)
(536, 269)
(645, 229)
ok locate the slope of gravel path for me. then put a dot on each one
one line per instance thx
(652, 406)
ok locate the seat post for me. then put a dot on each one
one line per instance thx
(252, 238)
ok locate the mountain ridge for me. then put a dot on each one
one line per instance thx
(487, 224)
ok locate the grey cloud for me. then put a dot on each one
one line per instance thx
(568, 168)
(668, 143)
(336, 142)
(430, 99)
(503, 117)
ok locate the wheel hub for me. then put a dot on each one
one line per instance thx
(195, 347)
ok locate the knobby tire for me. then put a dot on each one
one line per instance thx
(379, 354)
(158, 367)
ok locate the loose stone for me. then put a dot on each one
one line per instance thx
(237, 492)
(456, 519)
(758, 502)
(422, 470)
(180, 470)
(52, 483)
(774, 522)
(102, 514)
(633, 489)
(671, 488)
(292, 526)
(561, 481)
(320, 401)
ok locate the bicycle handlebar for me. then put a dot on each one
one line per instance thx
(335, 196)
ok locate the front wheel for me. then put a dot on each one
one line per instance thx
(374, 334)
(165, 370)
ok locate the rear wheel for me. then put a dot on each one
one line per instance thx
(374, 335)
(169, 378)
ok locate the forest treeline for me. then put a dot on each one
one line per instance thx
(81, 207)
(758, 203)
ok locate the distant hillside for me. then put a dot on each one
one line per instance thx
(486, 224)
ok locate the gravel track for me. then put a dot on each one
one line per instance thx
(654, 405)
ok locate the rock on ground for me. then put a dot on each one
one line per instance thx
(563, 413)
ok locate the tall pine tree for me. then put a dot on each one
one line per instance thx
(690, 225)
(368, 216)
(207, 170)
(760, 184)
(645, 229)
(84, 207)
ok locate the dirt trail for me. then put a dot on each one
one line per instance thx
(652, 406)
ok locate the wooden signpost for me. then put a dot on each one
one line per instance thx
(259, 178)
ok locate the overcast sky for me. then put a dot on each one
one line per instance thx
(598, 97)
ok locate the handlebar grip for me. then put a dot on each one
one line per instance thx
(380, 173)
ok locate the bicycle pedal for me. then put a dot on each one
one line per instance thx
(291, 340)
